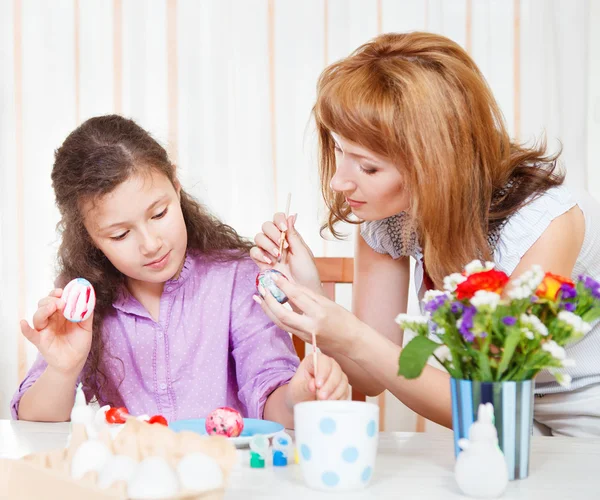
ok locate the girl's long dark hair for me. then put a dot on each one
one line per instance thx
(93, 160)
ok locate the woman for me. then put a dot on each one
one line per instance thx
(414, 150)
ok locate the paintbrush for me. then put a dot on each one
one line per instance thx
(284, 233)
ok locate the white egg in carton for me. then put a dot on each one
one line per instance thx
(143, 461)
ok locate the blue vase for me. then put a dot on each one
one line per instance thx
(513, 415)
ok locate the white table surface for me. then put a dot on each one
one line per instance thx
(409, 466)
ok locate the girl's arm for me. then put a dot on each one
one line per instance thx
(50, 398)
(63, 347)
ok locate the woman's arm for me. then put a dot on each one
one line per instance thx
(557, 249)
(379, 294)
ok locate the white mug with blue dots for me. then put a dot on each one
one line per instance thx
(337, 443)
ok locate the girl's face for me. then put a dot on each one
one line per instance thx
(140, 228)
(372, 185)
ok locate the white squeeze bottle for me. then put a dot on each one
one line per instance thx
(481, 470)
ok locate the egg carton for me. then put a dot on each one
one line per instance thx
(48, 474)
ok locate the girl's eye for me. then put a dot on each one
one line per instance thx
(120, 237)
(160, 215)
(337, 148)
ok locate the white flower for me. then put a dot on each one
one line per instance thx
(563, 379)
(574, 321)
(476, 266)
(526, 284)
(555, 350)
(528, 333)
(534, 323)
(443, 353)
(402, 319)
(432, 294)
(452, 281)
(519, 292)
(485, 298)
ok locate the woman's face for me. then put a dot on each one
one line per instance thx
(372, 185)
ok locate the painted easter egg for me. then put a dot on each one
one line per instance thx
(265, 279)
(224, 422)
(80, 300)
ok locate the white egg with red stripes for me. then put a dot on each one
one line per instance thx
(80, 299)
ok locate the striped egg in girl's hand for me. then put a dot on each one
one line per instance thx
(80, 299)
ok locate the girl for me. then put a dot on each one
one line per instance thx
(413, 148)
(174, 331)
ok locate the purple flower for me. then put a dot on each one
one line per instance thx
(456, 307)
(596, 292)
(533, 298)
(588, 282)
(509, 320)
(567, 291)
(435, 303)
(467, 323)
(569, 306)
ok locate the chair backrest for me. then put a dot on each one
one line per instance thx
(333, 270)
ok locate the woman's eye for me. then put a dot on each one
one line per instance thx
(367, 170)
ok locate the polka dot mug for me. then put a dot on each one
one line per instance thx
(337, 443)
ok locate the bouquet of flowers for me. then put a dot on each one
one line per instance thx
(483, 328)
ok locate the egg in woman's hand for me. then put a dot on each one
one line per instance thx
(153, 478)
(90, 456)
(117, 468)
(199, 472)
(265, 280)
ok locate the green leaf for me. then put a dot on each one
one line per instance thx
(509, 349)
(414, 356)
(591, 315)
(484, 367)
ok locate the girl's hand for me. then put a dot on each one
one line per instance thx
(331, 382)
(64, 345)
(336, 328)
(298, 262)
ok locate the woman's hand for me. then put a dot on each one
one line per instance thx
(297, 263)
(64, 345)
(331, 383)
(336, 329)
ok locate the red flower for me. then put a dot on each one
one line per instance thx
(490, 281)
(550, 286)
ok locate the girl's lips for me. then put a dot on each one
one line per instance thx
(160, 263)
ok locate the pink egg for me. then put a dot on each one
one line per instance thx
(224, 422)
(80, 300)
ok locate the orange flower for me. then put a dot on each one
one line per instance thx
(491, 281)
(550, 286)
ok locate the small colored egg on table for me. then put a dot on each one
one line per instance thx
(265, 279)
(224, 422)
(80, 300)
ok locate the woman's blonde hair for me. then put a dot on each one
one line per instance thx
(420, 100)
